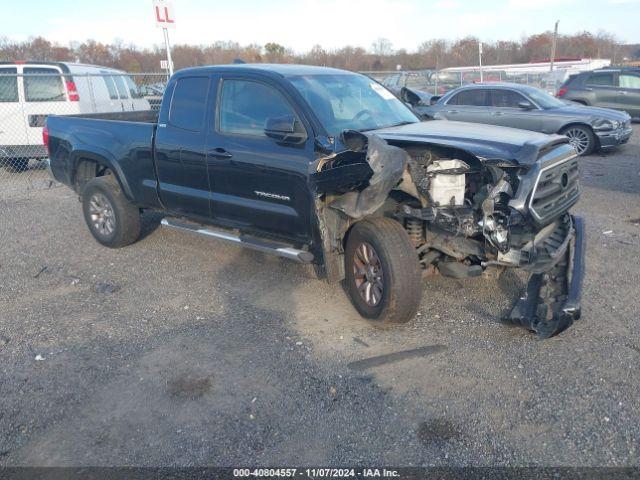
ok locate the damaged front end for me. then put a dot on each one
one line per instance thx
(466, 215)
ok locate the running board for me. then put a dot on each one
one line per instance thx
(260, 245)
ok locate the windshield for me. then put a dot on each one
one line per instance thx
(351, 102)
(545, 100)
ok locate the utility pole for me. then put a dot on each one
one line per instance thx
(480, 60)
(168, 47)
(553, 44)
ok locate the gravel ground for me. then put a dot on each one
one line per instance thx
(179, 350)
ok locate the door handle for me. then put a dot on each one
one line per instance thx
(622, 92)
(452, 111)
(496, 114)
(219, 153)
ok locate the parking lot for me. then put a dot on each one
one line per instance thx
(179, 350)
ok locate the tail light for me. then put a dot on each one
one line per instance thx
(72, 91)
(45, 138)
(561, 92)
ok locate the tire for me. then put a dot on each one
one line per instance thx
(582, 138)
(394, 280)
(16, 165)
(112, 219)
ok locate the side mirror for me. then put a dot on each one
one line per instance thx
(285, 128)
(525, 105)
(434, 99)
(412, 98)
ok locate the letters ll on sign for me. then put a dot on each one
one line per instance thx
(163, 14)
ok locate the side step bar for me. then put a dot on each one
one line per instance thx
(260, 245)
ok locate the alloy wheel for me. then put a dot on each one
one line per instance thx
(579, 139)
(102, 216)
(367, 270)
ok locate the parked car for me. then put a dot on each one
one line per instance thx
(29, 91)
(529, 108)
(153, 94)
(617, 88)
(328, 167)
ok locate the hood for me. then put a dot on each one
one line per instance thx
(485, 141)
(594, 113)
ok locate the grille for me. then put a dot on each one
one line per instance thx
(555, 191)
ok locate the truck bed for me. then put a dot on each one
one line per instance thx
(120, 141)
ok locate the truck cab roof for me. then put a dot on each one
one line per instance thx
(283, 70)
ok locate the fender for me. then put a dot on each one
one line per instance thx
(101, 157)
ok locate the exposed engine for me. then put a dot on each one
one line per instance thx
(464, 214)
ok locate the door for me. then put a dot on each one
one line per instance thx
(506, 112)
(44, 94)
(470, 105)
(602, 86)
(258, 183)
(13, 125)
(180, 157)
(629, 93)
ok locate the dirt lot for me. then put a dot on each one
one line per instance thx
(185, 351)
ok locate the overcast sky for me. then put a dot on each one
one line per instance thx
(300, 24)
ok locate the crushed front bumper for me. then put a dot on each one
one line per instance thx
(552, 299)
(614, 138)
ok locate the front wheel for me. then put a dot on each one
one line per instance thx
(581, 139)
(382, 271)
(112, 219)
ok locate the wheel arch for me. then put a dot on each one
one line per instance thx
(87, 165)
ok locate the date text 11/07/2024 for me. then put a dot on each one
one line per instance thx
(316, 472)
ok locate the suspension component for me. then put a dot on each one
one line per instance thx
(415, 229)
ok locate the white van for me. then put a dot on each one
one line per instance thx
(29, 91)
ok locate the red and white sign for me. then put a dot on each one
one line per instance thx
(163, 14)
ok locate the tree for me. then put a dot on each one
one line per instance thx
(382, 47)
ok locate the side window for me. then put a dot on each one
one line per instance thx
(245, 106)
(8, 85)
(133, 88)
(43, 85)
(189, 103)
(122, 88)
(629, 81)
(506, 98)
(601, 79)
(475, 98)
(111, 87)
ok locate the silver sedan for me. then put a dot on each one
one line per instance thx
(529, 108)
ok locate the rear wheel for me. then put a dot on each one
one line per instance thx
(581, 139)
(112, 219)
(16, 165)
(382, 272)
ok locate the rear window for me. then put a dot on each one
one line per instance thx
(8, 85)
(629, 81)
(475, 98)
(189, 103)
(122, 88)
(43, 85)
(133, 88)
(602, 79)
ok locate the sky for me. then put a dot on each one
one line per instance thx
(301, 24)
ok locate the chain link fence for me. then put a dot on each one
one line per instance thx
(440, 82)
(29, 94)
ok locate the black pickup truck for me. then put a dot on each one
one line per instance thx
(328, 167)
